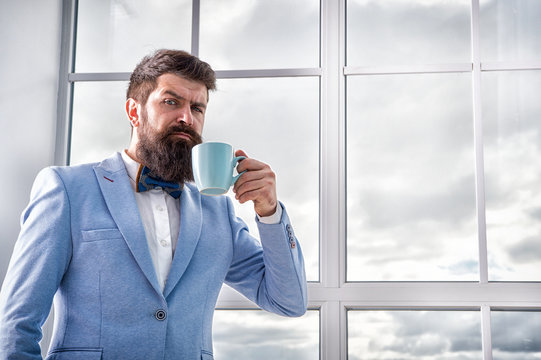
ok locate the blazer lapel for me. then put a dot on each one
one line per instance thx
(190, 230)
(118, 194)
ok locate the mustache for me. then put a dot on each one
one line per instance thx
(184, 129)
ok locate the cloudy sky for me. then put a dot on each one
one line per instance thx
(411, 211)
(410, 144)
(405, 185)
(255, 334)
(442, 335)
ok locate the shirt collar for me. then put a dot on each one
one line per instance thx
(132, 167)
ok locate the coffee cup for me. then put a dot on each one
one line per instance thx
(213, 164)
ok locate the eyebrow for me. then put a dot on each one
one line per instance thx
(177, 96)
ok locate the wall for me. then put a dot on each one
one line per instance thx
(30, 48)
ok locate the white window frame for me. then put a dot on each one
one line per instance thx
(332, 295)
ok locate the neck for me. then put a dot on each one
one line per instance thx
(132, 156)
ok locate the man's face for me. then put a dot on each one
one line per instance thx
(177, 100)
(171, 123)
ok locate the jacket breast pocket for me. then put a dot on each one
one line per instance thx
(75, 354)
(100, 235)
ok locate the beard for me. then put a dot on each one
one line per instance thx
(169, 157)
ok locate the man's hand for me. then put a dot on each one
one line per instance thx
(258, 184)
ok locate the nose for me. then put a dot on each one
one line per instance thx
(185, 116)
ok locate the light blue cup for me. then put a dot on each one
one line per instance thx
(213, 164)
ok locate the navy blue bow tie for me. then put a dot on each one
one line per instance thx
(146, 182)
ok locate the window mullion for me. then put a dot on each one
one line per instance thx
(332, 179)
(196, 12)
(478, 143)
(65, 87)
(332, 149)
(486, 333)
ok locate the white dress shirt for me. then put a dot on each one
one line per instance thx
(160, 214)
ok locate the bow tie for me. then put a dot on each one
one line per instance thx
(146, 182)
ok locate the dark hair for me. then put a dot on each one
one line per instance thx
(143, 79)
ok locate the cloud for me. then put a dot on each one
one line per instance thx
(385, 208)
(255, 34)
(526, 251)
(535, 213)
(100, 124)
(516, 332)
(410, 178)
(113, 36)
(396, 32)
(512, 136)
(509, 30)
(252, 334)
(441, 334)
(414, 334)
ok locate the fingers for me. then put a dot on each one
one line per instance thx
(262, 180)
(240, 153)
(249, 164)
(258, 184)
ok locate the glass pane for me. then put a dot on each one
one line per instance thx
(419, 335)
(410, 179)
(247, 34)
(114, 35)
(100, 125)
(255, 334)
(276, 121)
(510, 30)
(395, 32)
(516, 335)
(512, 138)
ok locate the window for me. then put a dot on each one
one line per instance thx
(382, 334)
(271, 119)
(512, 134)
(98, 126)
(516, 334)
(405, 135)
(411, 178)
(113, 36)
(255, 334)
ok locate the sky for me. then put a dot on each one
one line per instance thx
(415, 185)
(255, 334)
(414, 335)
(411, 212)
(442, 335)
(113, 35)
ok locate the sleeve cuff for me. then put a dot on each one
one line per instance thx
(272, 219)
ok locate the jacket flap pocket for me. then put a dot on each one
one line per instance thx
(75, 354)
(101, 234)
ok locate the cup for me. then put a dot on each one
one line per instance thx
(213, 164)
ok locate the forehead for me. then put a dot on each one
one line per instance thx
(188, 89)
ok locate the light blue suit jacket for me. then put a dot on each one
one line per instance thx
(82, 242)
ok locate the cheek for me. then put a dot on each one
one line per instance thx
(160, 123)
(198, 124)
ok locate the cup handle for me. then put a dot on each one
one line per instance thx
(235, 162)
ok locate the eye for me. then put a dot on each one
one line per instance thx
(197, 109)
(170, 102)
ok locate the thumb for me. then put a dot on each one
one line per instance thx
(240, 153)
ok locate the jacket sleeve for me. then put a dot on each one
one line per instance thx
(40, 258)
(272, 273)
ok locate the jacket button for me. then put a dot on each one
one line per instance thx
(160, 315)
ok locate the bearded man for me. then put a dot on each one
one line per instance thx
(133, 255)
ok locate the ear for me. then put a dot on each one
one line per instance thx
(133, 111)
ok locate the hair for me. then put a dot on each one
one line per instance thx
(144, 77)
